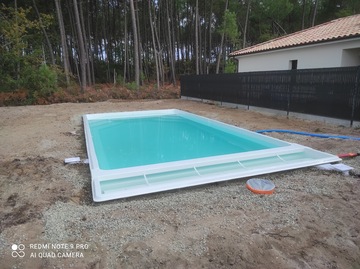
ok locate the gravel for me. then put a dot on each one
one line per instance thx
(311, 220)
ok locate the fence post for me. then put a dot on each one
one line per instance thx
(356, 90)
(290, 89)
(248, 79)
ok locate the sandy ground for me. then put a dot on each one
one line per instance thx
(48, 219)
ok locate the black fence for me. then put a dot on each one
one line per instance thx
(330, 92)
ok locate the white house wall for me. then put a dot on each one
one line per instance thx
(331, 54)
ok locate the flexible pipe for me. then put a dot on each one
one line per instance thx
(309, 134)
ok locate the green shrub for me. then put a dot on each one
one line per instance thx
(230, 66)
(40, 82)
(131, 86)
(120, 79)
(7, 84)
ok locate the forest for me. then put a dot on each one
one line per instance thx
(59, 44)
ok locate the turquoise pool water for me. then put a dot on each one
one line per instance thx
(146, 140)
(142, 152)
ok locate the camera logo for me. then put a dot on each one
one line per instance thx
(18, 250)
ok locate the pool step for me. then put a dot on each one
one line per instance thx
(203, 174)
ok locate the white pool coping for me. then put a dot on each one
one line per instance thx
(139, 180)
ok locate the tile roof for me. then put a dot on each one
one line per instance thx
(347, 27)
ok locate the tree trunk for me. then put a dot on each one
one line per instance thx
(314, 13)
(136, 44)
(154, 48)
(81, 47)
(246, 23)
(197, 56)
(303, 15)
(73, 61)
(90, 51)
(88, 72)
(210, 38)
(222, 42)
(126, 45)
(159, 53)
(140, 50)
(65, 55)
(18, 52)
(171, 49)
(48, 43)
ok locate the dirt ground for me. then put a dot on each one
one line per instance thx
(48, 219)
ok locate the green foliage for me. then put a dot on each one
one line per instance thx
(21, 53)
(266, 35)
(229, 27)
(131, 86)
(344, 12)
(142, 76)
(231, 30)
(120, 79)
(14, 26)
(40, 82)
(8, 83)
(277, 10)
(230, 66)
(23, 43)
(269, 19)
(61, 77)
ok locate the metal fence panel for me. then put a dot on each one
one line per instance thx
(330, 92)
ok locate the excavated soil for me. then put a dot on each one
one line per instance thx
(48, 219)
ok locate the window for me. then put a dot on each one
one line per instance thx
(293, 64)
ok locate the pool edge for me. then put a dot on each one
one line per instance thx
(96, 178)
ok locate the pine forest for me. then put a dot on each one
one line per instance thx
(62, 46)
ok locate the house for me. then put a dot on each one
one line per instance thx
(332, 44)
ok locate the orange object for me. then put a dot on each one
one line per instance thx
(260, 186)
(348, 155)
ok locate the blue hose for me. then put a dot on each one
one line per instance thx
(310, 134)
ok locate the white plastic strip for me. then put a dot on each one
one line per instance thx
(127, 182)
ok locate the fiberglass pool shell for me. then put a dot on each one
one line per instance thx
(135, 153)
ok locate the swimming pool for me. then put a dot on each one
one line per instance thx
(135, 153)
